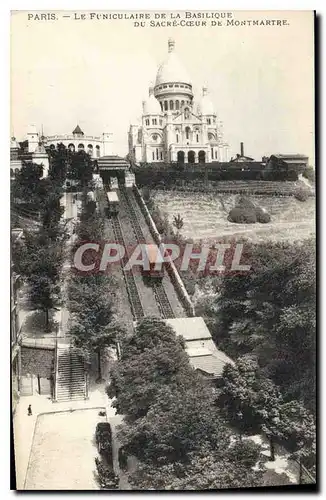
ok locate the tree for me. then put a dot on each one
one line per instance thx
(38, 256)
(181, 420)
(151, 332)
(137, 381)
(204, 472)
(43, 294)
(178, 222)
(270, 312)
(91, 305)
(151, 358)
(297, 427)
(59, 159)
(245, 391)
(26, 184)
(81, 168)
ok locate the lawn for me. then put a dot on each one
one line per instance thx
(63, 451)
(205, 216)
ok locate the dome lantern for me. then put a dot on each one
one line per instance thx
(171, 45)
(206, 106)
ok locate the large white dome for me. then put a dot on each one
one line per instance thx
(171, 70)
(206, 106)
(151, 106)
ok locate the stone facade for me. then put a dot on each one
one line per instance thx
(174, 128)
(96, 146)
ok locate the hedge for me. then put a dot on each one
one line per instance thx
(247, 212)
(301, 194)
(103, 436)
(242, 215)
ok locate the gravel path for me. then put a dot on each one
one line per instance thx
(63, 452)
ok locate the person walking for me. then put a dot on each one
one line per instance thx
(29, 410)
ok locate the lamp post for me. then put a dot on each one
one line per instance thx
(239, 419)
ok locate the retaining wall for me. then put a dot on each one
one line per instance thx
(170, 267)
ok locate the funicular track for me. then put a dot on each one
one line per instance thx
(158, 288)
(132, 291)
(136, 305)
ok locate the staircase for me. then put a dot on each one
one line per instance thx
(71, 380)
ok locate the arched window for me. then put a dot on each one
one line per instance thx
(177, 137)
(197, 137)
(81, 146)
(191, 157)
(171, 105)
(177, 105)
(165, 105)
(98, 151)
(182, 103)
(161, 103)
(71, 147)
(90, 149)
(187, 132)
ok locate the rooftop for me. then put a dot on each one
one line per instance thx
(190, 328)
(78, 131)
(203, 353)
(112, 162)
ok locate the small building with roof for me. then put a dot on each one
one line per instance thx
(95, 146)
(200, 347)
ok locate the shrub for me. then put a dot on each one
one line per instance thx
(262, 216)
(242, 215)
(106, 476)
(247, 212)
(103, 436)
(301, 194)
(246, 203)
(309, 173)
(246, 452)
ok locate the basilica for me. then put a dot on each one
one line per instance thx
(174, 128)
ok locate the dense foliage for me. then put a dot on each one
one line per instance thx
(172, 423)
(247, 212)
(38, 257)
(270, 312)
(91, 297)
(166, 175)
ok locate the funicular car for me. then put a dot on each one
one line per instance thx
(113, 203)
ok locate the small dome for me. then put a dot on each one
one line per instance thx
(151, 106)
(13, 143)
(206, 106)
(171, 70)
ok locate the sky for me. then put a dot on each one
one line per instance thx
(97, 72)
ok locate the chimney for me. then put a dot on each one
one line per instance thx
(241, 149)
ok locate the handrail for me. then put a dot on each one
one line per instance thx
(56, 369)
